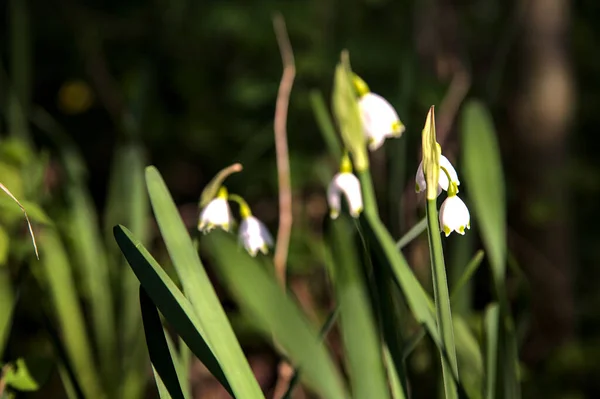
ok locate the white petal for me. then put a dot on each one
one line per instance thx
(420, 182)
(454, 216)
(254, 236)
(444, 162)
(379, 119)
(348, 185)
(215, 214)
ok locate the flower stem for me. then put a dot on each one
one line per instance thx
(442, 300)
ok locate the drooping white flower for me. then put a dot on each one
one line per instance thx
(379, 119)
(347, 184)
(454, 216)
(255, 236)
(421, 183)
(216, 214)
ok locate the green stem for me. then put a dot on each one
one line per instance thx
(442, 299)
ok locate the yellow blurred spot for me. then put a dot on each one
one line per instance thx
(75, 97)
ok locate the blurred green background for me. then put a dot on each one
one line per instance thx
(92, 91)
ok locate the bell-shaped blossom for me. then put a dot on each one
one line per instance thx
(346, 184)
(379, 120)
(255, 236)
(454, 216)
(443, 183)
(216, 214)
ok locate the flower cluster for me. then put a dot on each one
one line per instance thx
(252, 234)
(380, 121)
(454, 214)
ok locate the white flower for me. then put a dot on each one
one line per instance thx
(344, 183)
(379, 119)
(215, 214)
(454, 216)
(255, 236)
(421, 183)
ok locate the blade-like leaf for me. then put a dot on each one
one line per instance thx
(322, 335)
(470, 359)
(469, 270)
(127, 203)
(325, 123)
(169, 300)
(491, 326)
(482, 169)
(358, 328)
(90, 258)
(277, 315)
(199, 289)
(411, 234)
(158, 348)
(484, 177)
(57, 272)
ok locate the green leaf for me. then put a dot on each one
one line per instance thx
(4, 248)
(411, 234)
(491, 320)
(199, 289)
(484, 177)
(90, 257)
(127, 203)
(468, 272)
(470, 359)
(277, 316)
(160, 355)
(358, 326)
(482, 169)
(394, 378)
(58, 278)
(7, 301)
(417, 299)
(325, 123)
(28, 374)
(322, 336)
(176, 309)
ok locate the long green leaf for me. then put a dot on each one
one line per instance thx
(20, 57)
(6, 306)
(260, 296)
(322, 336)
(358, 327)
(199, 289)
(181, 363)
(484, 177)
(418, 301)
(491, 326)
(442, 298)
(57, 272)
(158, 348)
(177, 310)
(90, 256)
(482, 169)
(127, 203)
(411, 234)
(470, 359)
(325, 123)
(468, 272)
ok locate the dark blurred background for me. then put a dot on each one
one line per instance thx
(195, 83)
